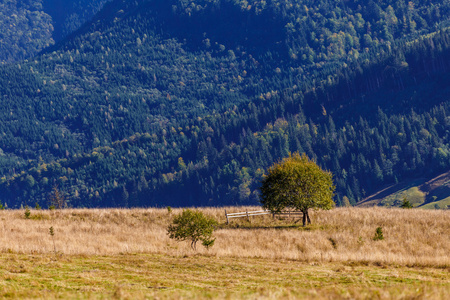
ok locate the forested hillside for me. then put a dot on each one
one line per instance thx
(29, 26)
(159, 102)
(70, 15)
(25, 29)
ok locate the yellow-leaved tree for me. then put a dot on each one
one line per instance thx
(297, 182)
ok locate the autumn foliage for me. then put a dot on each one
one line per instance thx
(297, 182)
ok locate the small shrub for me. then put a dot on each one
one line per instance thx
(169, 209)
(27, 212)
(207, 243)
(1, 206)
(52, 234)
(378, 234)
(406, 204)
(194, 226)
(37, 206)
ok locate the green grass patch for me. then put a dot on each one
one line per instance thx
(39, 216)
(441, 204)
(415, 196)
(141, 276)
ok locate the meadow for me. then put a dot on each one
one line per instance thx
(126, 254)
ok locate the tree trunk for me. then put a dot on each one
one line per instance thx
(306, 217)
(194, 245)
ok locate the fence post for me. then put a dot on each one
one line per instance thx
(248, 218)
(226, 215)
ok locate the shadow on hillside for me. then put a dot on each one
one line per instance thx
(262, 227)
(276, 227)
(437, 194)
(393, 189)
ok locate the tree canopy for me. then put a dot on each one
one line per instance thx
(194, 226)
(297, 182)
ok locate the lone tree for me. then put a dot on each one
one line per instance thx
(57, 199)
(194, 226)
(299, 183)
(406, 203)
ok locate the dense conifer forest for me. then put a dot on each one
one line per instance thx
(25, 29)
(69, 15)
(187, 103)
(29, 26)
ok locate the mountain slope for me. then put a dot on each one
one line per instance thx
(69, 15)
(26, 30)
(176, 103)
(32, 25)
(424, 193)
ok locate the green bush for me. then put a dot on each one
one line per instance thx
(27, 212)
(194, 226)
(378, 234)
(51, 231)
(406, 204)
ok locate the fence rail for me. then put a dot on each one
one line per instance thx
(249, 214)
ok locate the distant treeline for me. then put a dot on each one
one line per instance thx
(186, 103)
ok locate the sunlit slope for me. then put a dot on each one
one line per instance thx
(429, 193)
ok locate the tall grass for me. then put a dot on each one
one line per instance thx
(412, 237)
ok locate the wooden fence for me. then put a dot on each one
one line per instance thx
(249, 214)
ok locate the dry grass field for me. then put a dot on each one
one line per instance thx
(116, 253)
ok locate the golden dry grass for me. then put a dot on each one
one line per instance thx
(412, 237)
(126, 254)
